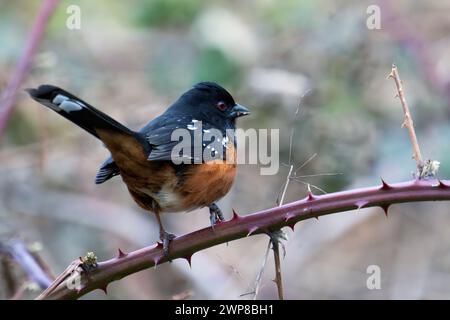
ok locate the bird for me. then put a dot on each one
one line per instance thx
(145, 159)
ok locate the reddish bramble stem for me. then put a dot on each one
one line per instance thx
(261, 222)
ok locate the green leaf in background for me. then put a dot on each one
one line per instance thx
(213, 65)
(166, 13)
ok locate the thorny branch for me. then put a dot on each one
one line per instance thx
(261, 222)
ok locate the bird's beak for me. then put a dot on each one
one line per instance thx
(239, 111)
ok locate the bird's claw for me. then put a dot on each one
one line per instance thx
(215, 215)
(165, 238)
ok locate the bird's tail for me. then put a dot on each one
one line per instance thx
(76, 110)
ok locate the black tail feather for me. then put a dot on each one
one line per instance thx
(76, 110)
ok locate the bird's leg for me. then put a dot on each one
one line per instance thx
(215, 214)
(164, 236)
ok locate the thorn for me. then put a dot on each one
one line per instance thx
(235, 216)
(121, 254)
(251, 231)
(385, 208)
(442, 185)
(385, 186)
(189, 260)
(289, 216)
(292, 226)
(157, 260)
(361, 203)
(311, 197)
(104, 288)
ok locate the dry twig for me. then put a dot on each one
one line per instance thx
(407, 122)
(425, 169)
(18, 251)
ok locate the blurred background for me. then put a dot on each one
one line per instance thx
(132, 59)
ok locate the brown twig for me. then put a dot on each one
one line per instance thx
(276, 240)
(278, 279)
(257, 223)
(425, 169)
(17, 249)
(7, 274)
(8, 98)
(407, 122)
(277, 236)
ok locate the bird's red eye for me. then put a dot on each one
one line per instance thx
(221, 106)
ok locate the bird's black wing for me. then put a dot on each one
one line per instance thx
(159, 135)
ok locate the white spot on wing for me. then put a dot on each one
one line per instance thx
(225, 141)
(70, 106)
(59, 98)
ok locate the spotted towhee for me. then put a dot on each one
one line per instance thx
(144, 158)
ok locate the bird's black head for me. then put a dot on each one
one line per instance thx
(208, 101)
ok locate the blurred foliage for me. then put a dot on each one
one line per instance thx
(25, 130)
(281, 15)
(213, 65)
(166, 13)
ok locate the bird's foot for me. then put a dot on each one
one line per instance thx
(165, 238)
(215, 215)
